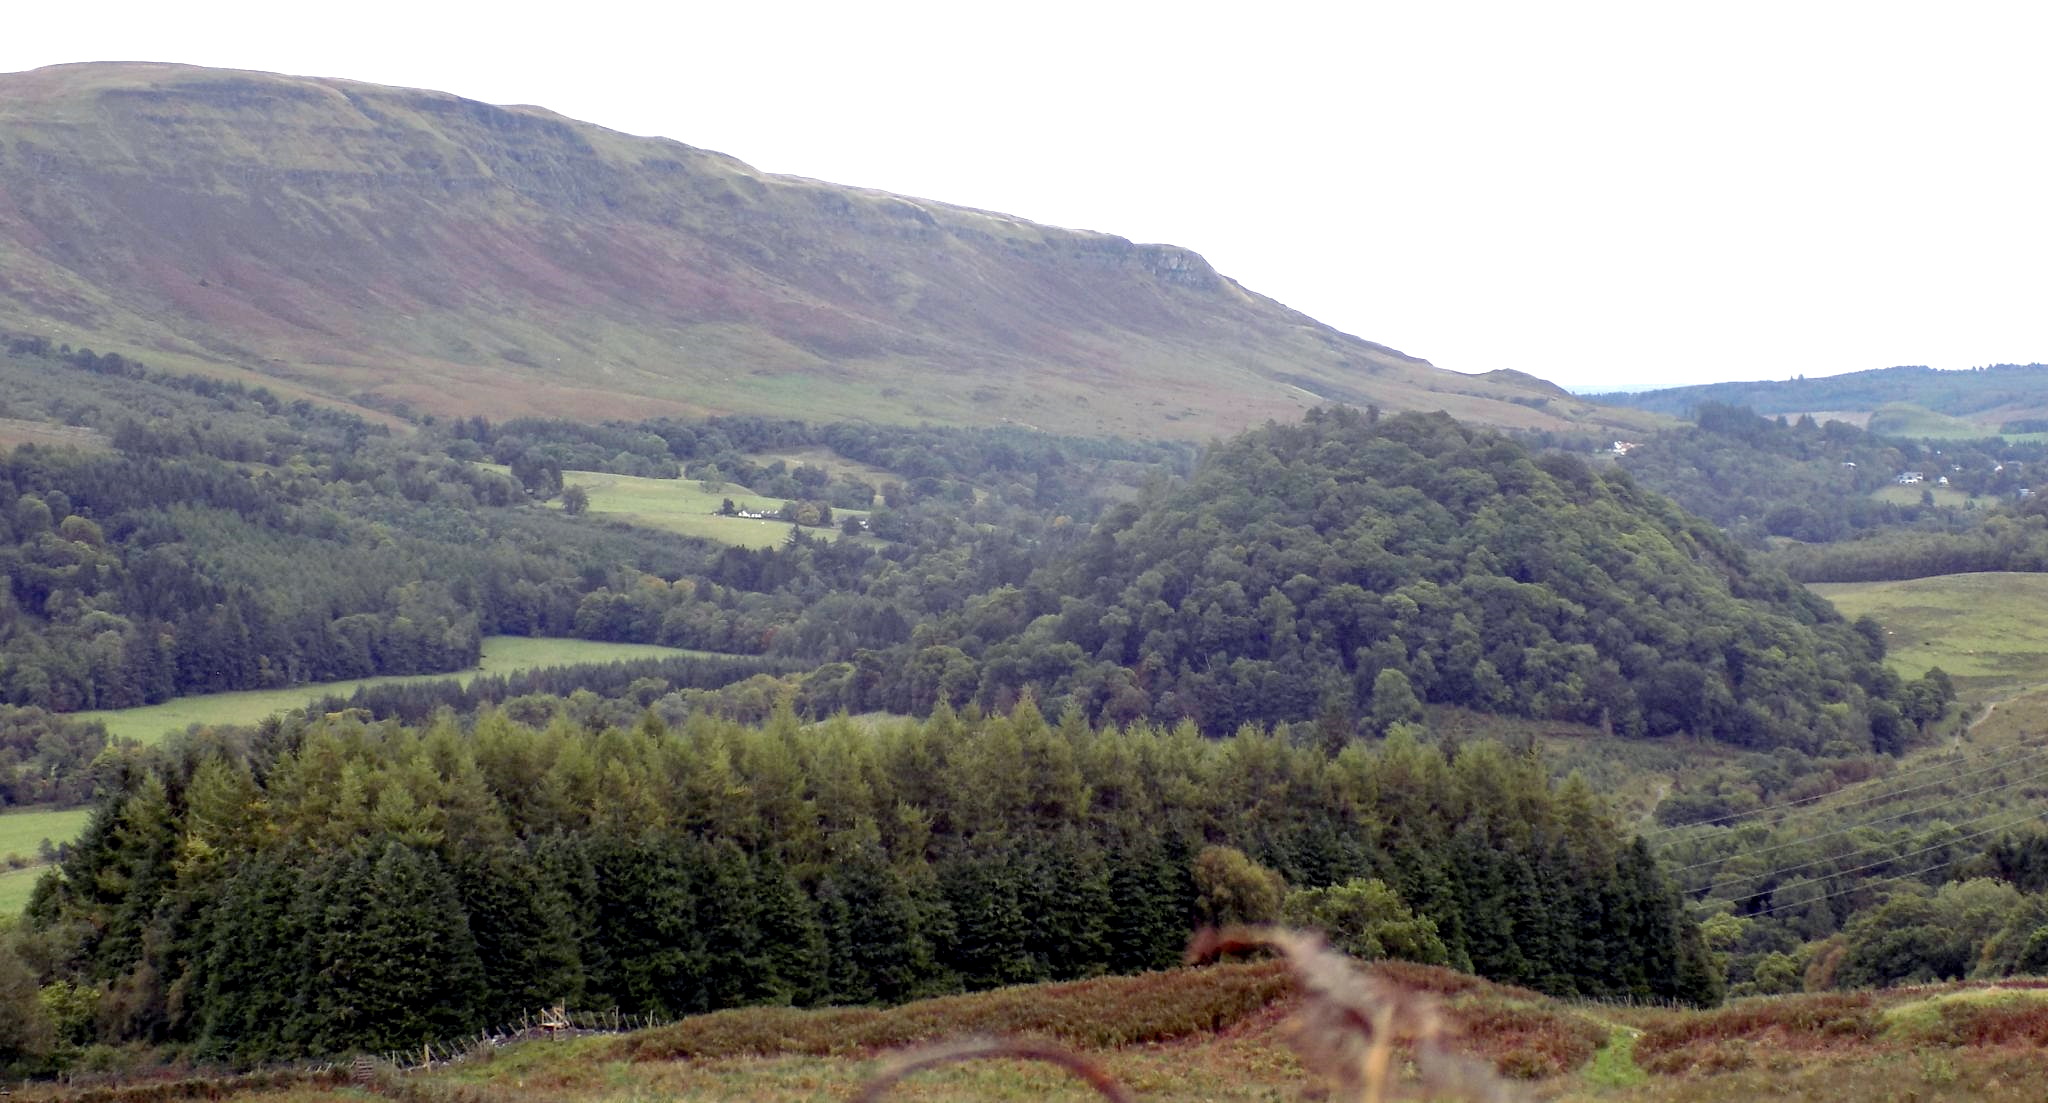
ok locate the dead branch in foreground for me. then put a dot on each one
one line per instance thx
(1346, 1032)
(1094, 1075)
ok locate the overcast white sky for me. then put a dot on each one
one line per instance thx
(1598, 193)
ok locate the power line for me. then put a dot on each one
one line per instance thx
(1776, 908)
(1874, 865)
(1902, 775)
(1872, 823)
(1751, 877)
(1798, 801)
(1859, 887)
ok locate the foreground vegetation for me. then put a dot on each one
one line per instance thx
(1225, 1033)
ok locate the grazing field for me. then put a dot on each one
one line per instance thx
(16, 886)
(22, 830)
(1989, 631)
(22, 834)
(502, 655)
(684, 507)
(1910, 495)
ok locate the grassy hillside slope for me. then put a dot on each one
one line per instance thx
(398, 247)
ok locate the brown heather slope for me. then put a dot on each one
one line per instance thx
(390, 246)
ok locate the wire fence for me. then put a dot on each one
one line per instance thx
(541, 1025)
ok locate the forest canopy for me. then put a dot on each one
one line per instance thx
(1318, 570)
(325, 886)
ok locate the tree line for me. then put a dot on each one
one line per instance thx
(322, 885)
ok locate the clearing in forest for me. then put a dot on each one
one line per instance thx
(684, 507)
(501, 655)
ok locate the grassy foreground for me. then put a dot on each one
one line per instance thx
(1222, 1033)
(501, 655)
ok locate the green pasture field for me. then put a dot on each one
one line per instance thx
(22, 830)
(16, 431)
(502, 655)
(743, 532)
(16, 886)
(684, 507)
(636, 494)
(1989, 631)
(1910, 495)
(1903, 419)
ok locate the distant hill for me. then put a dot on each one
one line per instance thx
(410, 249)
(2009, 398)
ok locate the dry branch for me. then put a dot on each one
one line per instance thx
(976, 1048)
(1350, 1023)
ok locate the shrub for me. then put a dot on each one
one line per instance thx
(1106, 1011)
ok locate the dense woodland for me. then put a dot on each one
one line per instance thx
(227, 540)
(1346, 570)
(328, 886)
(1350, 564)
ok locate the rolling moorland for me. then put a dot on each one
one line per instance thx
(403, 250)
(1702, 750)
